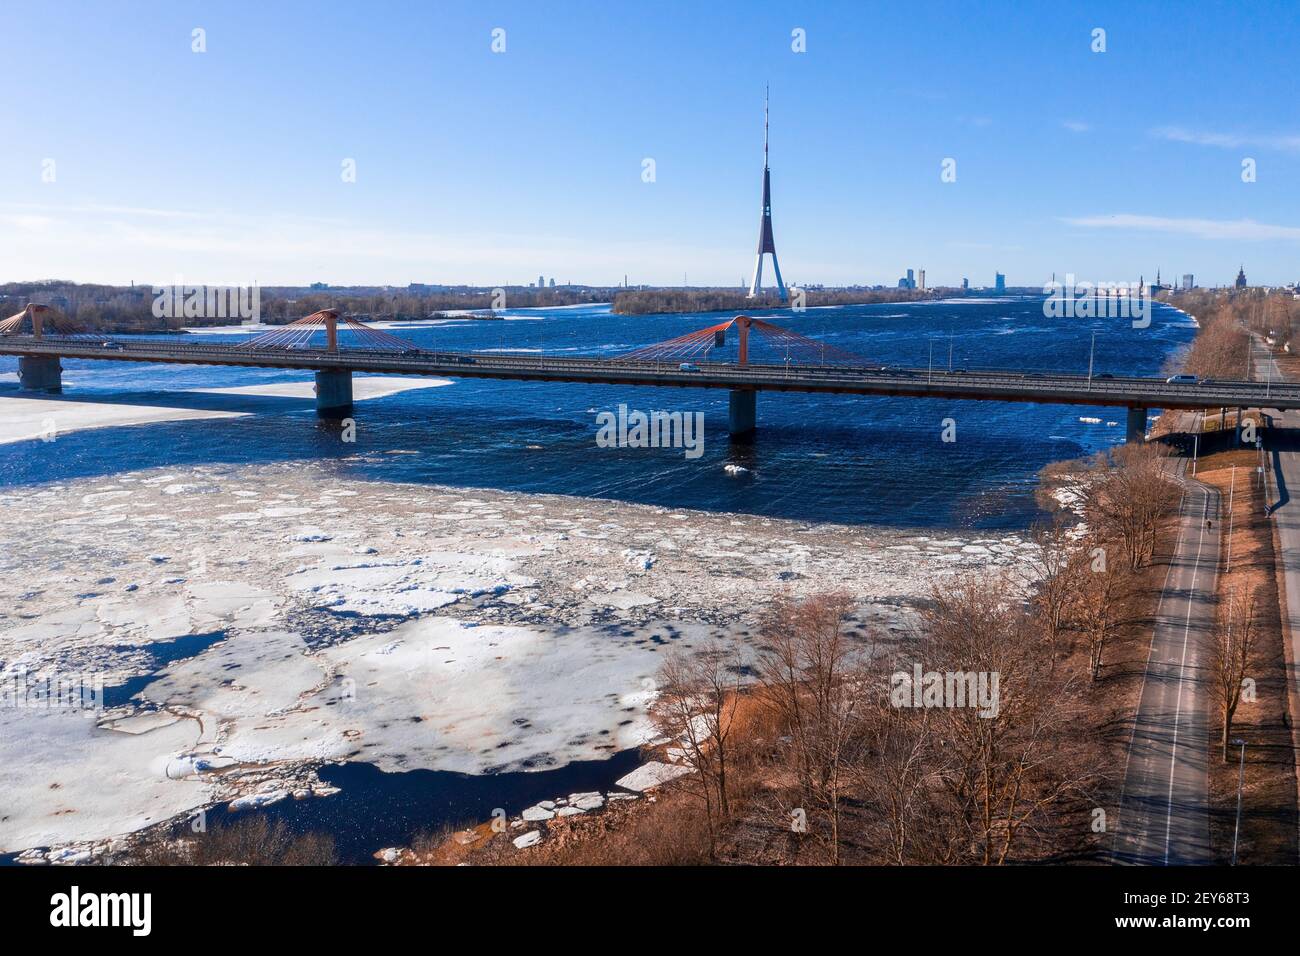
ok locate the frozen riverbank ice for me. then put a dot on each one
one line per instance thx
(64, 779)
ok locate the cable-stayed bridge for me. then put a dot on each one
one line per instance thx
(744, 355)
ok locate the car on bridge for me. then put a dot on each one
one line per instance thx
(688, 367)
(1181, 380)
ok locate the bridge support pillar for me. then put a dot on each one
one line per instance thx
(333, 393)
(1136, 432)
(40, 373)
(742, 412)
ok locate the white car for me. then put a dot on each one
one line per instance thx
(689, 367)
(1181, 380)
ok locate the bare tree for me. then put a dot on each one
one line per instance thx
(1054, 574)
(898, 772)
(809, 669)
(1124, 497)
(696, 706)
(1101, 588)
(1232, 652)
(1007, 766)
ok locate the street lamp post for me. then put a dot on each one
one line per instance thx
(1241, 779)
(1232, 487)
(1196, 440)
(1092, 349)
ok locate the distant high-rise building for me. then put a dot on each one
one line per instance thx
(1241, 278)
(1189, 282)
(920, 279)
(965, 284)
(541, 282)
(552, 282)
(999, 282)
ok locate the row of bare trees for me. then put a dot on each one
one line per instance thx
(804, 734)
(839, 764)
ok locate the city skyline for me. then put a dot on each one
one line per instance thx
(477, 167)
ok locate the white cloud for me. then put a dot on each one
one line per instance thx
(1076, 126)
(1177, 134)
(101, 243)
(1247, 229)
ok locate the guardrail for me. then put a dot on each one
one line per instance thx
(990, 385)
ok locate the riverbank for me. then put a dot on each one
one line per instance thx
(406, 627)
(665, 822)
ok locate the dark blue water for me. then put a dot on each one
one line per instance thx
(160, 655)
(837, 458)
(850, 459)
(374, 809)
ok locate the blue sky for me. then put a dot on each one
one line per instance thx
(492, 168)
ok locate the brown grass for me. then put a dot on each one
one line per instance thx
(1269, 822)
(252, 841)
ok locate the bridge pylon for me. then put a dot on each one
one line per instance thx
(773, 344)
(40, 373)
(1135, 432)
(742, 412)
(333, 393)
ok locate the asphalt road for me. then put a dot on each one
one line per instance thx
(1164, 812)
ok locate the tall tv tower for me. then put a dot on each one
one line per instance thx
(765, 241)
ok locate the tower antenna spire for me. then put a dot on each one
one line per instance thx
(765, 125)
(766, 244)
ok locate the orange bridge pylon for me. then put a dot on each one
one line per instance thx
(298, 335)
(785, 346)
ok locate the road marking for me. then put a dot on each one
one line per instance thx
(1182, 677)
(1151, 649)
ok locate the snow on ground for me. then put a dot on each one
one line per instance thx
(28, 416)
(405, 626)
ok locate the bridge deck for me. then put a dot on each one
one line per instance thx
(1133, 392)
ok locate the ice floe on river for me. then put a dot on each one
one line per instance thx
(252, 623)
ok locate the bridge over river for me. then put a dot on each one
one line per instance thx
(803, 365)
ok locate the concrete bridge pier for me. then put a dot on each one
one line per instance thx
(1136, 432)
(333, 393)
(742, 412)
(40, 373)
